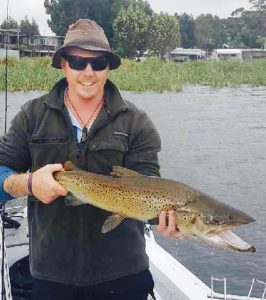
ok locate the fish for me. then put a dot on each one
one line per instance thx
(128, 194)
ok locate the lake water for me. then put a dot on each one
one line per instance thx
(214, 140)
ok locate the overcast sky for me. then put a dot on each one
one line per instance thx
(18, 9)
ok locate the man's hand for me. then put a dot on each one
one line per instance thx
(44, 186)
(167, 224)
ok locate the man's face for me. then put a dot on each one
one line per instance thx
(86, 84)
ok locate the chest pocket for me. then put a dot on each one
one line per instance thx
(107, 152)
(48, 150)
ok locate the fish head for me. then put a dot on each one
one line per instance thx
(208, 219)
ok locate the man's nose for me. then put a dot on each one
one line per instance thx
(88, 69)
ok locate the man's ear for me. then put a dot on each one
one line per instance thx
(63, 64)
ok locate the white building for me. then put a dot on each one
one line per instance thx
(181, 54)
(225, 54)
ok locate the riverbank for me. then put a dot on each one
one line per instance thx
(151, 75)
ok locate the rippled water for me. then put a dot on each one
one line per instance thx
(215, 140)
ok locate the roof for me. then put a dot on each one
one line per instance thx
(187, 51)
(228, 51)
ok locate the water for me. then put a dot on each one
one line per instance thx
(214, 140)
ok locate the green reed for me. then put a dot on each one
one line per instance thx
(151, 75)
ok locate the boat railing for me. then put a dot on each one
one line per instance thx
(252, 285)
(214, 296)
(212, 286)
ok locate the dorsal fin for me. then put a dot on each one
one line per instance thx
(123, 172)
(69, 166)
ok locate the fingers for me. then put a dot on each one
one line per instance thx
(167, 224)
(54, 167)
(162, 221)
(44, 186)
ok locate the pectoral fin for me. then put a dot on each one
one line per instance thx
(72, 200)
(112, 222)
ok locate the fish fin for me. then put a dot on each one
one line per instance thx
(72, 200)
(123, 172)
(112, 222)
(69, 166)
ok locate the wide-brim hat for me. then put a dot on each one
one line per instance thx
(86, 34)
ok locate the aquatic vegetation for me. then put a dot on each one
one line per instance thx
(29, 74)
(151, 75)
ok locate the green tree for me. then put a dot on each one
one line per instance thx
(131, 30)
(238, 12)
(65, 12)
(261, 41)
(29, 28)
(209, 32)
(258, 4)
(164, 33)
(9, 23)
(246, 28)
(187, 30)
(250, 29)
(233, 27)
(124, 4)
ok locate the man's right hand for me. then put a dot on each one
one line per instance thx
(44, 186)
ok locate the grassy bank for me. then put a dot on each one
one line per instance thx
(151, 75)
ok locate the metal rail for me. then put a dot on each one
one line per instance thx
(212, 286)
(252, 285)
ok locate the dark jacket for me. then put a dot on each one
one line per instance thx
(66, 244)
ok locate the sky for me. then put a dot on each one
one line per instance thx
(18, 9)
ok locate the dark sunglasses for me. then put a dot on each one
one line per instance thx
(80, 63)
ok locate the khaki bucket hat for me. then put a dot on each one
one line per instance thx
(88, 35)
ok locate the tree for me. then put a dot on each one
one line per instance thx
(238, 12)
(258, 4)
(9, 23)
(209, 32)
(250, 29)
(65, 12)
(124, 4)
(233, 27)
(246, 28)
(187, 30)
(131, 29)
(164, 33)
(29, 28)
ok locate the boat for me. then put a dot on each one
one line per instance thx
(173, 281)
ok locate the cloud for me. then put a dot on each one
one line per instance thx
(195, 7)
(18, 9)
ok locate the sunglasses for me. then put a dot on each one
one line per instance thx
(80, 63)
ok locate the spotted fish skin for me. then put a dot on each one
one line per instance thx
(127, 194)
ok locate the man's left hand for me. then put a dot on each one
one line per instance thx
(167, 224)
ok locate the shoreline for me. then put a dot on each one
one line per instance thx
(152, 75)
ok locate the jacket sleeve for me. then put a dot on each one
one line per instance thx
(14, 146)
(142, 155)
(4, 173)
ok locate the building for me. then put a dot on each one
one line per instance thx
(181, 54)
(253, 54)
(240, 54)
(10, 37)
(225, 54)
(37, 45)
(40, 45)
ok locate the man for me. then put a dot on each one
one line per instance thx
(83, 119)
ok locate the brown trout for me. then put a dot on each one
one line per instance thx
(127, 194)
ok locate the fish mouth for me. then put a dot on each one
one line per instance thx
(228, 239)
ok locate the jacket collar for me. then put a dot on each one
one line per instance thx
(114, 102)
